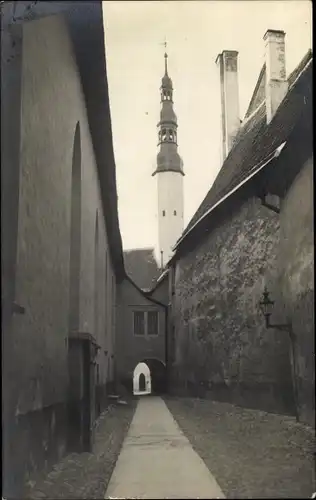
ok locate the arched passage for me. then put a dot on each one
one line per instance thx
(158, 375)
(141, 379)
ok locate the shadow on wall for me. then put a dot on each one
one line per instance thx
(141, 380)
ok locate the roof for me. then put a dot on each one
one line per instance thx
(169, 160)
(258, 95)
(256, 139)
(161, 278)
(141, 266)
(86, 29)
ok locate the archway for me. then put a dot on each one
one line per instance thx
(158, 375)
(141, 380)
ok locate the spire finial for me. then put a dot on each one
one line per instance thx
(166, 57)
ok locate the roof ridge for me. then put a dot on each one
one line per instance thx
(254, 170)
(300, 68)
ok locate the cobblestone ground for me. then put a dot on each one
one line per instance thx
(86, 475)
(252, 454)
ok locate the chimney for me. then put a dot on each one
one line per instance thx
(227, 63)
(276, 83)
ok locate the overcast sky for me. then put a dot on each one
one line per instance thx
(196, 31)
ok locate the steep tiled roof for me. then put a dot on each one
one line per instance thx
(256, 140)
(258, 95)
(299, 68)
(141, 266)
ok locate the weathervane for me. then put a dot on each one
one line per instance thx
(165, 45)
(166, 55)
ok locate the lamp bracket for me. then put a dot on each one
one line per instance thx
(286, 327)
(272, 202)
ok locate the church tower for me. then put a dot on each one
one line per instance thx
(169, 174)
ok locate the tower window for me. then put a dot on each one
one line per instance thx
(163, 213)
(174, 212)
(170, 135)
(164, 134)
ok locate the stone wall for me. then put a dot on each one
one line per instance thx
(36, 377)
(222, 348)
(296, 277)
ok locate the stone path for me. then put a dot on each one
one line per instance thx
(157, 460)
(252, 453)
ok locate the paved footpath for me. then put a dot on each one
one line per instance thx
(157, 460)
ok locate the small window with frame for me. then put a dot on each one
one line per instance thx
(139, 323)
(152, 323)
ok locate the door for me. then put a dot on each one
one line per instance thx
(142, 382)
(88, 398)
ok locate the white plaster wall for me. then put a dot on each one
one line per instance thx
(170, 199)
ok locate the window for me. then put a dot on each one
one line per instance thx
(163, 213)
(152, 323)
(146, 323)
(139, 323)
(174, 212)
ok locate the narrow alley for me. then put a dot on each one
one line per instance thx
(169, 447)
(157, 460)
(157, 250)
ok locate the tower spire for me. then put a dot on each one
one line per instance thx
(169, 172)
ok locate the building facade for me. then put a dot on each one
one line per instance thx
(141, 333)
(61, 246)
(253, 229)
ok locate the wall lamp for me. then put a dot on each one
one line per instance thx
(266, 306)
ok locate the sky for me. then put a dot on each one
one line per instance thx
(196, 32)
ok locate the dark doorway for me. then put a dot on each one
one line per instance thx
(158, 375)
(142, 382)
